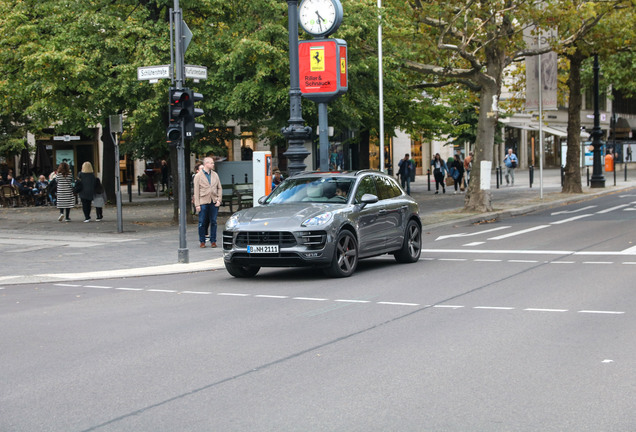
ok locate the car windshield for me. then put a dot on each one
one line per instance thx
(312, 190)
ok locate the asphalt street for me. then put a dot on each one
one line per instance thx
(523, 323)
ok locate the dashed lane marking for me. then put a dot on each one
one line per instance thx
(351, 301)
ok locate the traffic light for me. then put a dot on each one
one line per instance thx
(190, 127)
(178, 113)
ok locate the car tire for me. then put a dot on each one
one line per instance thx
(412, 246)
(239, 271)
(345, 256)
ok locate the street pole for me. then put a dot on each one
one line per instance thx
(116, 127)
(323, 136)
(381, 88)
(182, 253)
(296, 133)
(598, 180)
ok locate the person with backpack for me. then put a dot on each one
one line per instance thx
(511, 163)
(406, 171)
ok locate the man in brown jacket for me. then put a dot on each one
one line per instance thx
(208, 193)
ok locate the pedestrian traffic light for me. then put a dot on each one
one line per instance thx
(191, 127)
(178, 112)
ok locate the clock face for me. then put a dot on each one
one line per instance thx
(319, 17)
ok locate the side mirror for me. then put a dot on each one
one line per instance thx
(262, 200)
(368, 199)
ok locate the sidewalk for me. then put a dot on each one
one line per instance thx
(38, 248)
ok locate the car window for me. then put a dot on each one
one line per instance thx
(387, 188)
(311, 189)
(366, 186)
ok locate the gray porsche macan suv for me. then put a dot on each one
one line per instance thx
(327, 220)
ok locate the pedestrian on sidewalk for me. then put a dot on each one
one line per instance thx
(406, 170)
(511, 163)
(65, 197)
(439, 172)
(207, 200)
(87, 192)
(458, 173)
(468, 165)
(165, 175)
(99, 200)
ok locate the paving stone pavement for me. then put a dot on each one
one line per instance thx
(38, 248)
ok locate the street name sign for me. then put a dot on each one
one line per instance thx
(153, 72)
(196, 72)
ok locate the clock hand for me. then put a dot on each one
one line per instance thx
(320, 19)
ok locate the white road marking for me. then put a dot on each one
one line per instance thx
(601, 312)
(67, 285)
(494, 307)
(448, 306)
(195, 292)
(612, 209)
(310, 298)
(562, 262)
(571, 219)
(629, 251)
(130, 289)
(271, 296)
(398, 304)
(572, 211)
(97, 286)
(234, 294)
(470, 234)
(352, 301)
(598, 262)
(474, 244)
(516, 233)
(453, 259)
(523, 261)
(545, 310)
(631, 263)
(488, 260)
(161, 290)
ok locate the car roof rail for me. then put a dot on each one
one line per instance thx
(368, 170)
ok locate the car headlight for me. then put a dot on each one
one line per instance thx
(321, 219)
(232, 221)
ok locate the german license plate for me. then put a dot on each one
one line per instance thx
(258, 249)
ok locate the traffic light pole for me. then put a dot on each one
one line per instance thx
(183, 253)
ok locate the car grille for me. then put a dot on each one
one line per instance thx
(280, 238)
(284, 239)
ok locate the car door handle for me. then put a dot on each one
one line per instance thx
(383, 212)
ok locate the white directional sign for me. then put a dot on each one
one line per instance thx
(196, 72)
(153, 72)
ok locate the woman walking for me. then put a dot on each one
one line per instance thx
(65, 197)
(87, 192)
(439, 172)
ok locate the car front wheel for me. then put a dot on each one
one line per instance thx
(240, 271)
(412, 246)
(345, 259)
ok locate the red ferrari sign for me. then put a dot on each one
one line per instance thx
(323, 68)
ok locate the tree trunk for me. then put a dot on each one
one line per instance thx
(478, 199)
(572, 180)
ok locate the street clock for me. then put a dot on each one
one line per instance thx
(320, 18)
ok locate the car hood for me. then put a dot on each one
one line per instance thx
(281, 216)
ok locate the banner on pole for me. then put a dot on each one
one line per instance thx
(548, 90)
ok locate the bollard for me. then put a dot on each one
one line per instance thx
(129, 190)
(138, 185)
(497, 176)
(531, 174)
(588, 176)
(232, 178)
(501, 175)
(246, 181)
(428, 177)
(614, 176)
(625, 165)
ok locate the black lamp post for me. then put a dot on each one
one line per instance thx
(597, 180)
(296, 133)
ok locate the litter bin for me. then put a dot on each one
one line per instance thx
(609, 163)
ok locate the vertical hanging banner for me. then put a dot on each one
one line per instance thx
(323, 68)
(537, 39)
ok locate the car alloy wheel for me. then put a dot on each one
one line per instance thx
(345, 258)
(412, 246)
